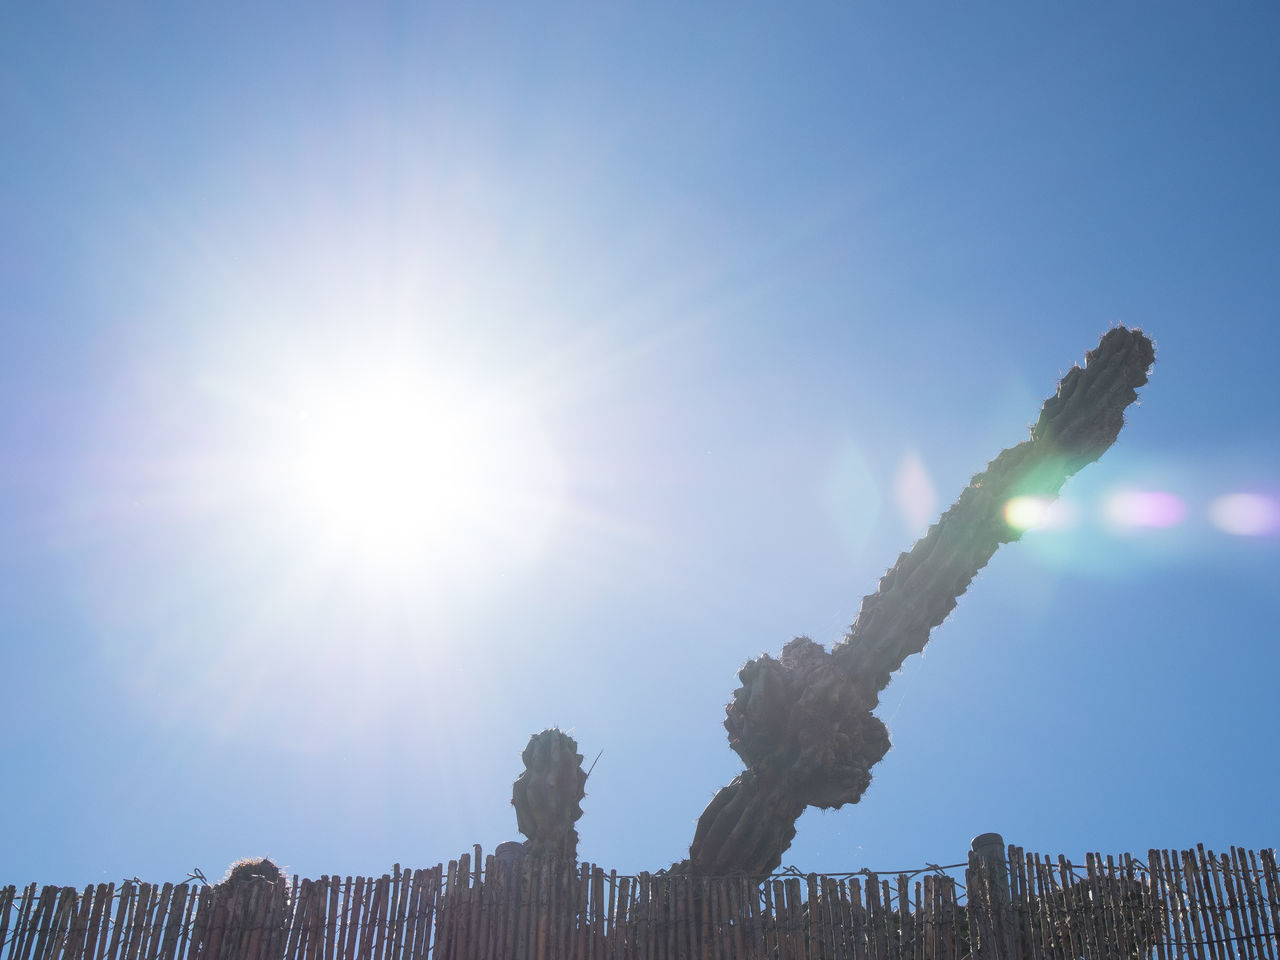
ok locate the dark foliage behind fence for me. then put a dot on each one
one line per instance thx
(1189, 904)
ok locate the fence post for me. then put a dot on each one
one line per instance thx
(988, 849)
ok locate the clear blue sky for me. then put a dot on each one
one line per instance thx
(380, 387)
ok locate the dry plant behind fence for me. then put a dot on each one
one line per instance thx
(1189, 904)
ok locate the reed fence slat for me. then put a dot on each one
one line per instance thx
(1251, 880)
(1179, 925)
(172, 927)
(7, 896)
(770, 890)
(1225, 886)
(1243, 877)
(1224, 889)
(1112, 911)
(352, 910)
(513, 892)
(96, 923)
(1272, 887)
(53, 918)
(79, 907)
(1225, 931)
(1018, 895)
(53, 921)
(1235, 878)
(118, 928)
(384, 948)
(26, 903)
(1162, 892)
(318, 927)
(578, 937)
(1093, 933)
(1202, 916)
(1228, 872)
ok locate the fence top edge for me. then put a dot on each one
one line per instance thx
(135, 885)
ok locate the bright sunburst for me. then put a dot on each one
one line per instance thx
(389, 467)
(392, 471)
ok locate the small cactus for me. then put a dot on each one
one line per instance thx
(251, 870)
(548, 795)
(255, 896)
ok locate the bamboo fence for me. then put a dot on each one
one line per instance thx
(1030, 907)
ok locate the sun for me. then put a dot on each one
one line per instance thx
(388, 467)
(389, 471)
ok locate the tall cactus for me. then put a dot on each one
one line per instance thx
(548, 795)
(802, 723)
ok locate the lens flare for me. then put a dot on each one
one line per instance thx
(1245, 514)
(1039, 513)
(1023, 513)
(1145, 508)
(914, 493)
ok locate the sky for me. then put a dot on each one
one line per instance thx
(383, 384)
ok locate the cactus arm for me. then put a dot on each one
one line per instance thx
(1076, 426)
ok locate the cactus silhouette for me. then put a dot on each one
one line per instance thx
(802, 723)
(548, 795)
